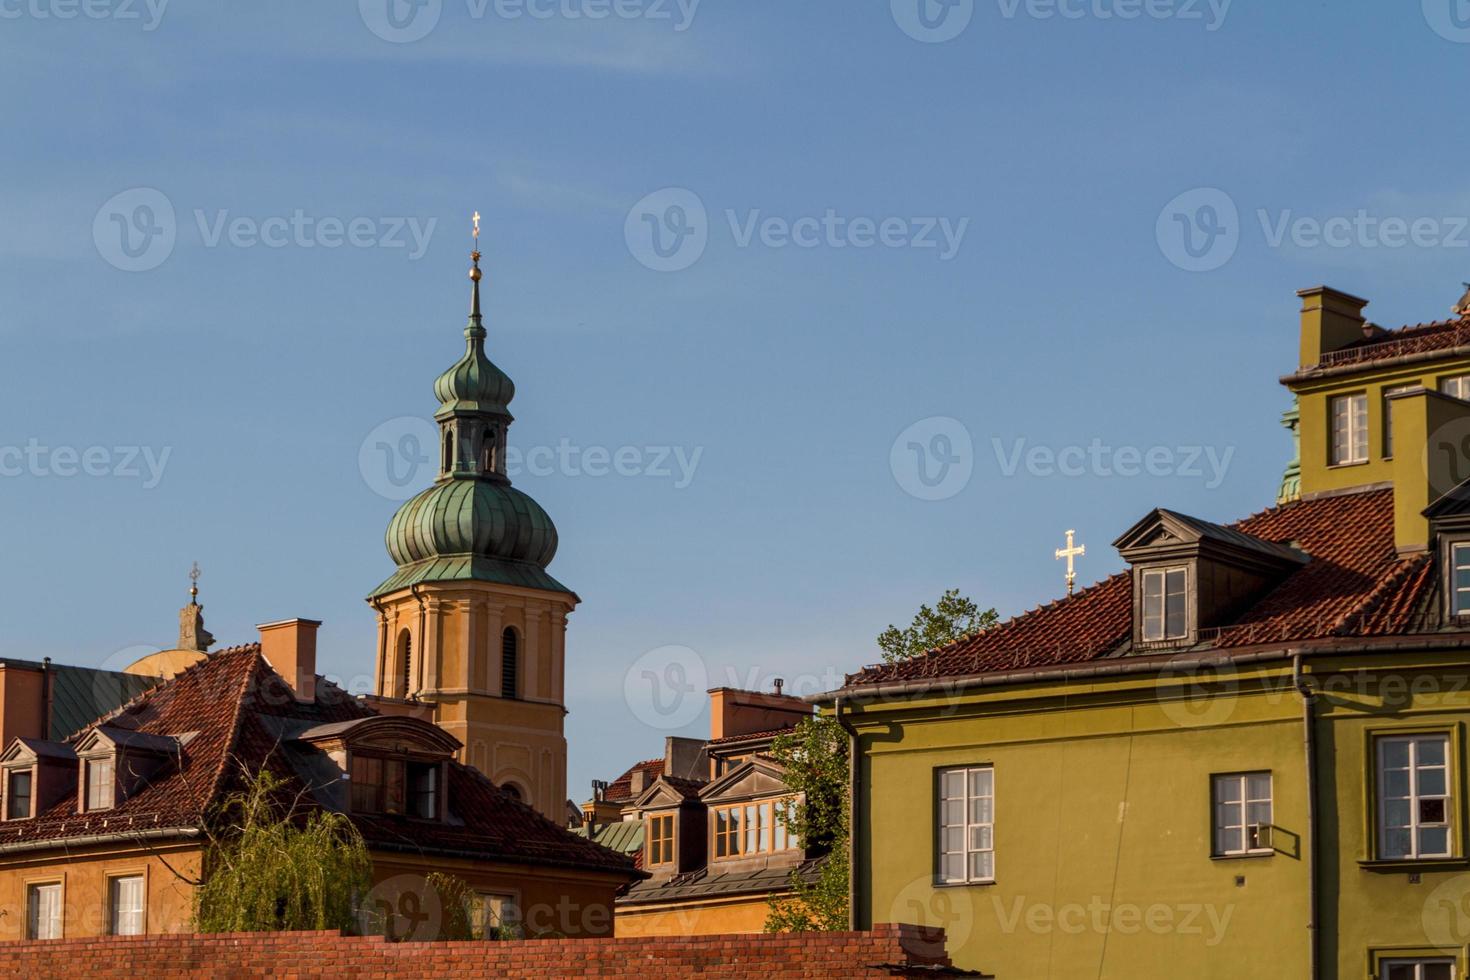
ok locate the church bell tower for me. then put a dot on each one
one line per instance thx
(471, 627)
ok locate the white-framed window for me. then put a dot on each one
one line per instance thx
(19, 791)
(1457, 386)
(1349, 429)
(1460, 578)
(1413, 797)
(966, 812)
(43, 910)
(1164, 614)
(126, 901)
(1435, 969)
(1242, 821)
(99, 784)
(1388, 417)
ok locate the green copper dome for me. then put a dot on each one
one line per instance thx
(476, 518)
(474, 383)
(472, 525)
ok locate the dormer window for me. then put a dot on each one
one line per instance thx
(661, 839)
(1190, 576)
(390, 766)
(1165, 615)
(101, 779)
(18, 794)
(1349, 429)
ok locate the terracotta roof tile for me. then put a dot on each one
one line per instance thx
(1355, 584)
(1419, 338)
(233, 703)
(620, 790)
(752, 736)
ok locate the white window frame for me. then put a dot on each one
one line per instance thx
(133, 919)
(54, 925)
(107, 800)
(1161, 575)
(1388, 416)
(1415, 798)
(1459, 596)
(1354, 447)
(1251, 844)
(1418, 964)
(972, 828)
(1456, 386)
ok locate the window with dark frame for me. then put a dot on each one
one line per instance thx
(509, 663)
(423, 790)
(367, 784)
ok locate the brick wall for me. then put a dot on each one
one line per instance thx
(883, 951)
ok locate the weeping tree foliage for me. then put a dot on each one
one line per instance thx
(270, 868)
(456, 903)
(815, 757)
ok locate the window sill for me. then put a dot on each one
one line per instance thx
(979, 882)
(1348, 465)
(1246, 856)
(1415, 864)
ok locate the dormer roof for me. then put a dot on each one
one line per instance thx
(1165, 534)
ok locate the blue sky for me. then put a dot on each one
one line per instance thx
(1066, 150)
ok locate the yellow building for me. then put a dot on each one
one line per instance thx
(1243, 756)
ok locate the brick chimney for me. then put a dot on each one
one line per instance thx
(22, 702)
(290, 648)
(1330, 321)
(736, 712)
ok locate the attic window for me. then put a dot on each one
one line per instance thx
(18, 785)
(1164, 613)
(395, 786)
(99, 784)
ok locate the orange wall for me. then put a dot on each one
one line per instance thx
(746, 913)
(84, 888)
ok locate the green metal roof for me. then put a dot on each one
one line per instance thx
(469, 568)
(625, 836)
(81, 695)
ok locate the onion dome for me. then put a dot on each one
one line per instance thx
(472, 524)
(474, 518)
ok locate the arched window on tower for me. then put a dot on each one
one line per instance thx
(448, 451)
(487, 451)
(510, 663)
(405, 663)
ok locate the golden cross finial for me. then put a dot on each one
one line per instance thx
(194, 574)
(1071, 552)
(477, 228)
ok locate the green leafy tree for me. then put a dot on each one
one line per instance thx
(953, 616)
(815, 758)
(272, 864)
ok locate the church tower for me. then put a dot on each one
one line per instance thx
(471, 626)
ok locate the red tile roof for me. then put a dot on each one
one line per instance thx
(620, 790)
(752, 736)
(1420, 338)
(1354, 585)
(230, 711)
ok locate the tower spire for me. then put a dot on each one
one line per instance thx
(476, 327)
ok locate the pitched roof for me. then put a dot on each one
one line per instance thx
(620, 790)
(236, 709)
(707, 883)
(1355, 584)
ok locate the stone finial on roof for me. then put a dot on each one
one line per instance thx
(1462, 306)
(192, 634)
